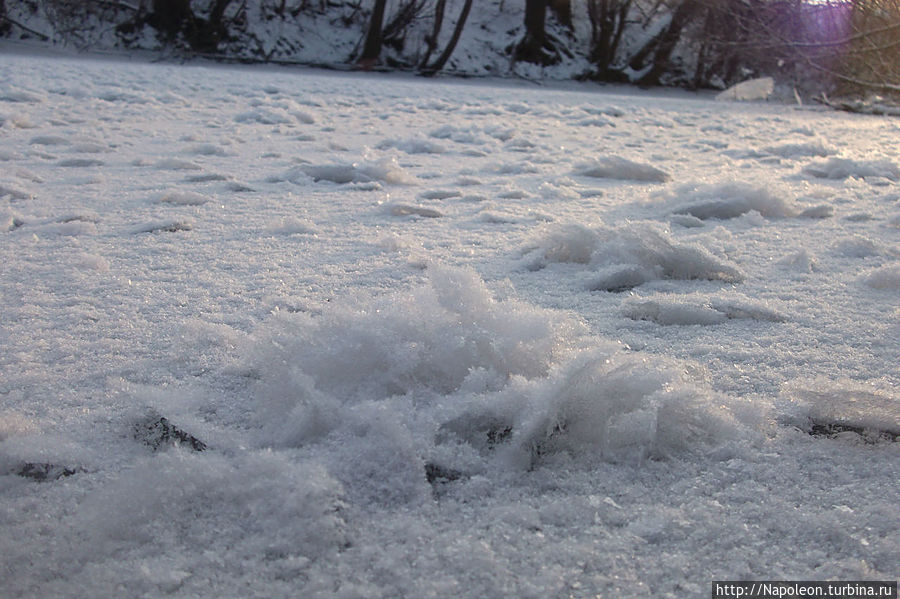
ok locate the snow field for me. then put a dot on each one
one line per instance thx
(437, 338)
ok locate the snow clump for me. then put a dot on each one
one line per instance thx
(625, 257)
(377, 388)
(696, 310)
(842, 168)
(615, 167)
(729, 200)
(387, 170)
(864, 405)
(886, 278)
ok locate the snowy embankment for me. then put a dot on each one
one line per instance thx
(265, 334)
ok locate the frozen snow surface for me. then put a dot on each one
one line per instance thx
(279, 333)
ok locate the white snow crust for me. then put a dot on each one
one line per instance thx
(283, 333)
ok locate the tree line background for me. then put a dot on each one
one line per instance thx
(837, 47)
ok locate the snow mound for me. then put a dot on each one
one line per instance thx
(801, 150)
(164, 226)
(800, 261)
(260, 503)
(886, 278)
(49, 140)
(430, 338)
(627, 256)
(863, 405)
(463, 135)
(696, 310)
(859, 246)
(746, 91)
(184, 198)
(14, 192)
(264, 117)
(397, 209)
(207, 150)
(440, 194)
(9, 93)
(729, 200)
(364, 385)
(841, 168)
(79, 162)
(615, 167)
(619, 408)
(413, 145)
(291, 225)
(387, 170)
(177, 164)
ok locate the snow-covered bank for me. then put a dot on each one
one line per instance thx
(267, 334)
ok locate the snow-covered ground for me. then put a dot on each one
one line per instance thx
(281, 333)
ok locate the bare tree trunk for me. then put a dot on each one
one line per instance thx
(212, 32)
(563, 11)
(372, 47)
(432, 40)
(171, 17)
(451, 45)
(668, 39)
(531, 48)
(4, 24)
(607, 27)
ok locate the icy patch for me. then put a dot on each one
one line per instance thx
(693, 309)
(841, 168)
(729, 200)
(886, 278)
(614, 167)
(627, 256)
